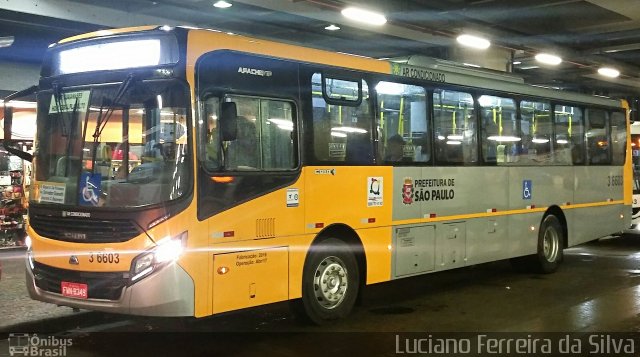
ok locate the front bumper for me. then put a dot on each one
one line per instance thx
(168, 291)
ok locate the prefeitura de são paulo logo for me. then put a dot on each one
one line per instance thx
(407, 191)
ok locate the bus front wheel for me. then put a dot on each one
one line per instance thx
(330, 283)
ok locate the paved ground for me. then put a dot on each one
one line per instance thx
(15, 305)
(595, 294)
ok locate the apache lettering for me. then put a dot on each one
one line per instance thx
(255, 72)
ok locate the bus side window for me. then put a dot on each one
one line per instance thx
(209, 146)
(242, 152)
(500, 137)
(341, 126)
(263, 137)
(598, 145)
(618, 137)
(536, 131)
(569, 135)
(359, 147)
(403, 124)
(455, 128)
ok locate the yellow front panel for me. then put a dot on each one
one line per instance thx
(106, 257)
(250, 278)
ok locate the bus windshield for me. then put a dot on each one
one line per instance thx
(117, 145)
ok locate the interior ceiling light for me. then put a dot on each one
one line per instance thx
(364, 16)
(608, 72)
(6, 41)
(473, 42)
(332, 27)
(222, 4)
(548, 58)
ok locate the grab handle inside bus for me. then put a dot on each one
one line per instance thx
(229, 121)
(8, 123)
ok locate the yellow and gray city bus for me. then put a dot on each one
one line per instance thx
(188, 172)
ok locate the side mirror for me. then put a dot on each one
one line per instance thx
(229, 121)
(634, 107)
(8, 123)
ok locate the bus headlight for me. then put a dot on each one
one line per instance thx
(168, 250)
(142, 266)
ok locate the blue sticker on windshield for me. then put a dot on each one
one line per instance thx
(89, 190)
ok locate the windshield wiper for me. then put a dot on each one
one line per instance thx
(59, 98)
(61, 101)
(94, 149)
(70, 138)
(102, 120)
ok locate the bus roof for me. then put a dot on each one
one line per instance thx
(435, 71)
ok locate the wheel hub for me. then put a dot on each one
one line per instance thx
(330, 282)
(550, 244)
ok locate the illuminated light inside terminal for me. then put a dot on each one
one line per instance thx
(364, 16)
(608, 72)
(222, 4)
(548, 58)
(473, 41)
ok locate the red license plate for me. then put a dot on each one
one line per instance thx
(75, 290)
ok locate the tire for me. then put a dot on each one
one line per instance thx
(550, 240)
(549, 253)
(330, 283)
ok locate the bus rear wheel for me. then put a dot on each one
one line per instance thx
(550, 238)
(549, 253)
(330, 283)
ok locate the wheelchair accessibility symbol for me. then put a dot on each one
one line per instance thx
(89, 189)
(527, 189)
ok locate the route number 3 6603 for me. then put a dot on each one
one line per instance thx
(104, 258)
